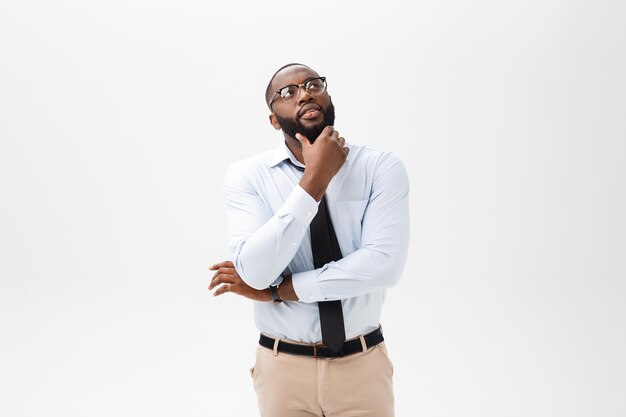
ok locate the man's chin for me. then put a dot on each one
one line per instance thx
(312, 133)
(310, 128)
(311, 124)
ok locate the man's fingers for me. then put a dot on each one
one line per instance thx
(224, 270)
(341, 141)
(221, 264)
(221, 290)
(226, 274)
(235, 288)
(221, 279)
(303, 139)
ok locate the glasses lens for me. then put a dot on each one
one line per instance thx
(289, 92)
(315, 86)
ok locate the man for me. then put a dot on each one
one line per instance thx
(319, 230)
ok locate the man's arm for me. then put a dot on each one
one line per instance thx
(376, 265)
(226, 279)
(263, 243)
(379, 261)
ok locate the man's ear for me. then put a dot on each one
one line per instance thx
(274, 122)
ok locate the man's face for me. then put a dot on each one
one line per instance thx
(305, 114)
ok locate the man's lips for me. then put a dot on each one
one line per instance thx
(309, 111)
(311, 114)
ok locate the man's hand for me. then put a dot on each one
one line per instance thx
(323, 159)
(226, 279)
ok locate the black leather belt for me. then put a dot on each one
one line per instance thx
(321, 351)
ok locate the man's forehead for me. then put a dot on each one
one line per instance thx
(295, 74)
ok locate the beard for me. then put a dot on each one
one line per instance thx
(293, 126)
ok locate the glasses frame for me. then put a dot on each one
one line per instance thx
(277, 93)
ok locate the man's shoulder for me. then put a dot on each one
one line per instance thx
(261, 160)
(247, 170)
(368, 154)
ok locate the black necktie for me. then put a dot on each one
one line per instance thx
(326, 249)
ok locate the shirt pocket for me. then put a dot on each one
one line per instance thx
(349, 223)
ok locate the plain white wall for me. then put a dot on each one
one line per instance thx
(118, 119)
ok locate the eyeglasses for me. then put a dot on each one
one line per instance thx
(313, 86)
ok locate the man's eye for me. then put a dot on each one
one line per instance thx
(315, 85)
(287, 92)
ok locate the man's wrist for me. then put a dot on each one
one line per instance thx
(314, 186)
(274, 290)
(274, 294)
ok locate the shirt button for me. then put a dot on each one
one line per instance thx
(311, 298)
(293, 243)
(309, 213)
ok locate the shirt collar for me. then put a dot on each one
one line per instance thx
(282, 153)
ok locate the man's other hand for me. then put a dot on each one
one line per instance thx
(226, 279)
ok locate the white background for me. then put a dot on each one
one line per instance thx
(118, 119)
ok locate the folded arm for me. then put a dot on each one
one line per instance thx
(380, 259)
(263, 243)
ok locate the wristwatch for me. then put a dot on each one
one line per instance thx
(274, 290)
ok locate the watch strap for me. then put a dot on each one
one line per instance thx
(274, 293)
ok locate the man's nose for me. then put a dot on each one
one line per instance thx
(303, 95)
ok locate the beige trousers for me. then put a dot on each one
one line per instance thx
(357, 385)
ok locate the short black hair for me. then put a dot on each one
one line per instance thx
(268, 91)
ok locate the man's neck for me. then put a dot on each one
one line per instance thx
(295, 147)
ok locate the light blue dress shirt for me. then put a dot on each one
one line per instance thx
(269, 215)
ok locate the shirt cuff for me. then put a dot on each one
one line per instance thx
(300, 205)
(307, 287)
